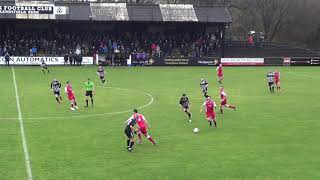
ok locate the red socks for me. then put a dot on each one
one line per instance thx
(150, 139)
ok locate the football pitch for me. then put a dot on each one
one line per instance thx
(270, 136)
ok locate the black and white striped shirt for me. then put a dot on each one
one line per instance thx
(203, 84)
(270, 77)
(184, 102)
(55, 86)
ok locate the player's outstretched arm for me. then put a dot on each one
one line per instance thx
(128, 120)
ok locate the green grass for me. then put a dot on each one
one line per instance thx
(269, 137)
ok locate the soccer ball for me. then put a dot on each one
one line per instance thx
(195, 130)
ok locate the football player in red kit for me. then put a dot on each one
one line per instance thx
(143, 126)
(68, 90)
(277, 79)
(220, 73)
(223, 102)
(210, 113)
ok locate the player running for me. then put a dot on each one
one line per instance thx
(204, 87)
(223, 102)
(143, 126)
(220, 73)
(68, 90)
(101, 72)
(128, 130)
(210, 112)
(185, 105)
(277, 79)
(89, 92)
(270, 79)
(55, 87)
(44, 66)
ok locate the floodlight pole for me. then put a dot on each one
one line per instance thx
(223, 40)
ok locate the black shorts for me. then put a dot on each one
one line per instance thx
(205, 90)
(89, 93)
(271, 84)
(101, 77)
(186, 107)
(56, 93)
(128, 132)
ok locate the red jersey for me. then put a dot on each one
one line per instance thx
(210, 105)
(68, 90)
(223, 95)
(140, 120)
(220, 70)
(277, 75)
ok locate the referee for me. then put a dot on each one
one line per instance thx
(89, 92)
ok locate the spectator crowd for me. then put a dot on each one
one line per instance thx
(55, 43)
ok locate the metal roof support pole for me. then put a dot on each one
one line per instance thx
(223, 40)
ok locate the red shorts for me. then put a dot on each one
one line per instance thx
(277, 81)
(71, 98)
(220, 76)
(223, 102)
(143, 130)
(211, 115)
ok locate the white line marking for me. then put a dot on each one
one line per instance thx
(23, 136)
(102, 114)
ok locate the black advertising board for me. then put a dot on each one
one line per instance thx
(146, 60)
(181, 61)
(308, 61)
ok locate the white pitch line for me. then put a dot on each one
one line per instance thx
(23, 136)
(101, 114)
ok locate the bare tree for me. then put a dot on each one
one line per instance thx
(273, 15)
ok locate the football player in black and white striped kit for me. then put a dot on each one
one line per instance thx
(204, 87)
(101, 72)
(270, 79)
(44, 66)
(128, 130)
(185, 105)
(55, 87)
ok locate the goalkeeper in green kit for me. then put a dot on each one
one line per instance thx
(89, 92)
